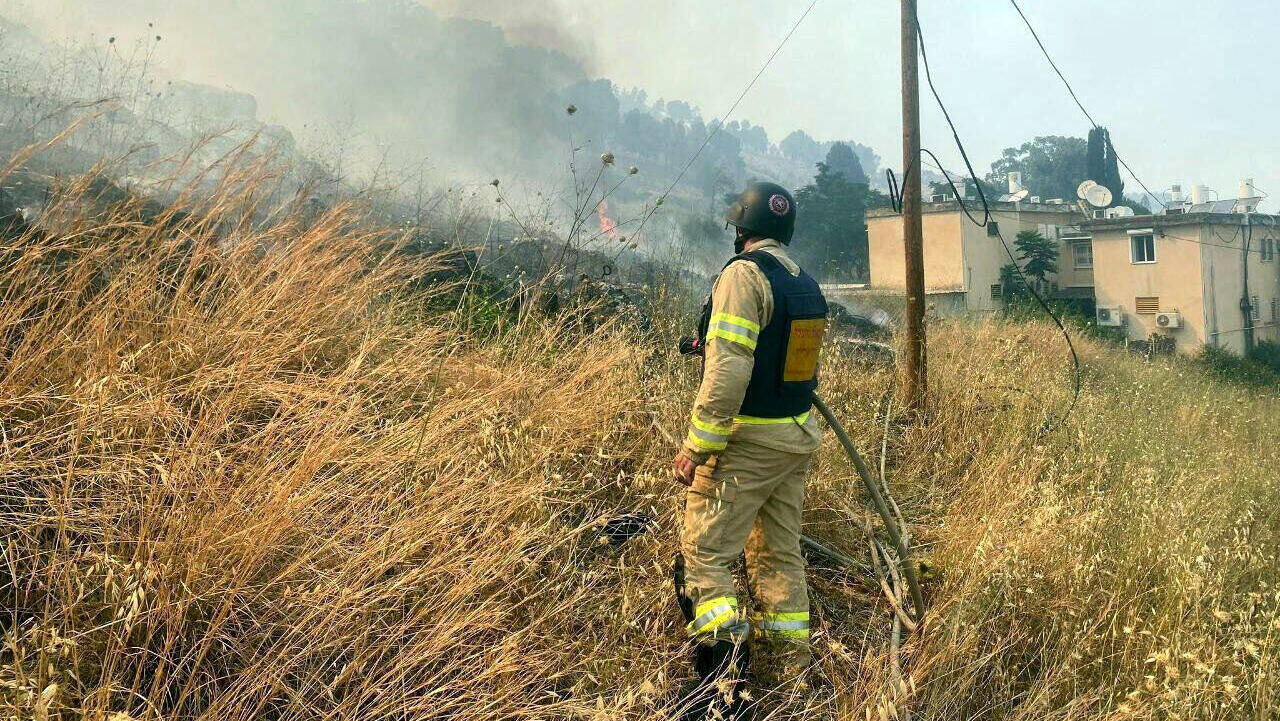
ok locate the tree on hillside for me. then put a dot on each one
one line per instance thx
(831, 229)
(841, 159)
(1052, 166)
(800, 146)
(1102, 164)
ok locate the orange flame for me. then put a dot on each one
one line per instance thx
(607, 224)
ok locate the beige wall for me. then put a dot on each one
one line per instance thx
(943, 264)
(958, 255)
(1224, 282)
(1069, 276)
(1194, 275)
(1174, 278)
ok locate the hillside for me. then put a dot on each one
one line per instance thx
(250, 475)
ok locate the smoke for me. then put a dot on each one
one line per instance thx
(374, 79)
(547, 24)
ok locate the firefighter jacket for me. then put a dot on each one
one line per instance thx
(742, 304)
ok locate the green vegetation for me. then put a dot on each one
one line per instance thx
(1261, 368)
(831, 233)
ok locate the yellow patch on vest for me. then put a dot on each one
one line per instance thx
(802, 349)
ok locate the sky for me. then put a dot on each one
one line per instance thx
(1189, 89)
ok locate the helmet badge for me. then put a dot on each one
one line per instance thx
(779, 205)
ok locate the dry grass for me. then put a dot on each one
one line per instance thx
(246, 477)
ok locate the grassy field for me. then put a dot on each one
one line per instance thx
(247, 476)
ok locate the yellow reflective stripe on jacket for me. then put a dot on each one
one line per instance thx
(749, 325)
(711, 615)
(704, 441)
(734, 328)
(708, 436)
(742, 340)
(710, 427)
(754, 421)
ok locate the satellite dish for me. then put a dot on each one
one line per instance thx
(1084, 188)
(1020, 195)
(1123, 211)
(1099, 196)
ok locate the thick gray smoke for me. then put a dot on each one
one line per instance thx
(550, 24)
(389, 78)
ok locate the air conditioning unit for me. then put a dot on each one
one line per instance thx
(939, 198)
(1168, 320)
(1110, 315)
(1035, 199)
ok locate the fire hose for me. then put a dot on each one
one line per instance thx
(882, 506)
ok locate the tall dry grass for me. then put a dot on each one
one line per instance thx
(248, 476)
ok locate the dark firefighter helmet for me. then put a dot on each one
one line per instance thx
(766, 209)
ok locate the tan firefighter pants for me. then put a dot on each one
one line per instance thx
(748, 498)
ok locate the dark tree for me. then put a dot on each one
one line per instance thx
(831, 230)
(1039, 255)
(1103, 166)
(799, 146)
(841, 159)
(1052, 166)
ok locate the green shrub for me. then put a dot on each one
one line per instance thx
(1267, 354)
(1233, 368)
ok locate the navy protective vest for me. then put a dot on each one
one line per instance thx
(785, 375)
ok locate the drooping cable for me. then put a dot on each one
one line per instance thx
(1050, 425)
(1079, 104)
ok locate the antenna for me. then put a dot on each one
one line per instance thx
(1099, 196)
(1084, 188)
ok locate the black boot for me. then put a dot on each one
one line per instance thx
(722, 670)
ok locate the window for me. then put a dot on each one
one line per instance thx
(1268, 251)
(1255, 309)
(1147, 305)
(996, 292)
(1142, 248)
(1048, 230)
(1082, 254)
(993, 229)
(1275, 309)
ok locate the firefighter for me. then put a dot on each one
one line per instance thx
(751, 439)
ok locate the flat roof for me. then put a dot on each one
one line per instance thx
(975, 207)
(1176, 219)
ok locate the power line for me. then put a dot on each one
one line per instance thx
(1049, 424)
(725, 120)
(1076, 98)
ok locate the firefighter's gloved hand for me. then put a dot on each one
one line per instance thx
(685, 468)
(685, 465)
(690, 346)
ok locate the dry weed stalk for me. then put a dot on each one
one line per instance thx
(247, 476)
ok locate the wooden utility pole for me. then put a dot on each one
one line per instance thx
(915, 375)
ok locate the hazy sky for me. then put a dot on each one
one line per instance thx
(1188, 88)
